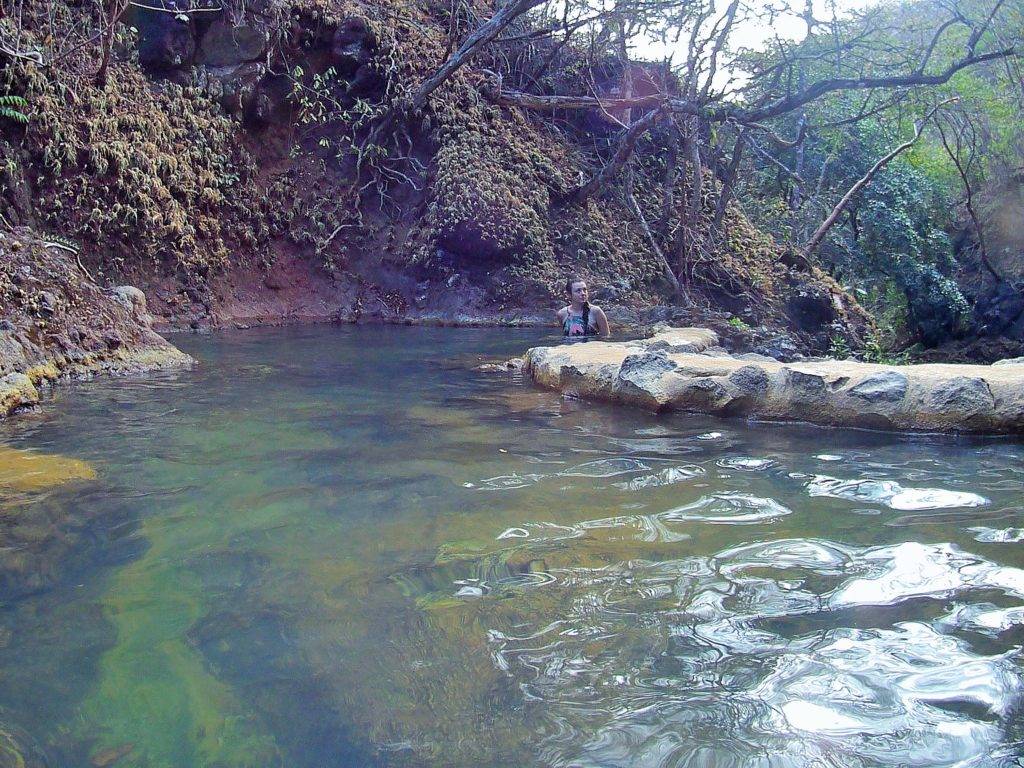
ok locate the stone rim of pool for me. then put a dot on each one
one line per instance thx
(683, 369)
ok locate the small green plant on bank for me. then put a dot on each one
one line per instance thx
(876, 350)
(738, 324)
(324, 102)
(839, 348)
(11, 108)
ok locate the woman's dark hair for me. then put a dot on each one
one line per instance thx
(570, 280)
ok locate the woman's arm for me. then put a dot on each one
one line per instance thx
(603, 328)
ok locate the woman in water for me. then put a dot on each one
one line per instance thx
(581, 318)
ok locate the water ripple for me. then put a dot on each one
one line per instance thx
(912, 570)
(908, 691)
(665, 477)
(728, 508)
(606, 468)
(745, 463)
(892, 494)
(722, 660)
(509, 482)
(1004, 536)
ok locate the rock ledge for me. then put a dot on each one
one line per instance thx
(679, 369)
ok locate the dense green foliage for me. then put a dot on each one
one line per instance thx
(926, 220)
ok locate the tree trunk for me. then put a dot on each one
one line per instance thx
(111, 17)
(691, 147)
(668, 200)
(666, 268)
(729, 183)
(796, 197)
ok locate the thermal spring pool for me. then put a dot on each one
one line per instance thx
(344, 546)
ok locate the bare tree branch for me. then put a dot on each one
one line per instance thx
(935, 41)
(480, 37)
(618, 160)
(863, 181)
(954, 148)
(819, 89)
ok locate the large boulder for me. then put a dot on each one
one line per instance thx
(811, 307)
(17, 391)
(134, 300)
(353, 47)
(13, 356)
(239, 90)
(961, 397)
(225, 44)
(644, 376)
(166, 38)
(708, 394)
(885, 386)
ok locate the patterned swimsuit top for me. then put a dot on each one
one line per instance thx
(573, 324)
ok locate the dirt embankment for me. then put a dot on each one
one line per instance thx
(224, 169)
(55, 322)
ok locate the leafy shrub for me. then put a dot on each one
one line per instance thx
(936, 308)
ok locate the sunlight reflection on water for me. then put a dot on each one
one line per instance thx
(338, 547)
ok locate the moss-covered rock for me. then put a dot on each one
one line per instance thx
(58, 323)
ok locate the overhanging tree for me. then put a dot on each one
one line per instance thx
(719, 100)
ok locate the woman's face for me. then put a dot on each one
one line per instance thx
(578, 294)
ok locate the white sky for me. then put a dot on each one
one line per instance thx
(750, 34)
(753, 35)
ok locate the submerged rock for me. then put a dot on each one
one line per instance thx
(108, 757)
(18, 750)
(513, 365)
(668, 372)
(30, 471)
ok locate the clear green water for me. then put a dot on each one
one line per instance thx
(345, 547)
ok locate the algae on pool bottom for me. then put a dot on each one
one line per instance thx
(32, 471)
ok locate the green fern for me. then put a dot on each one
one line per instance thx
(11, 108)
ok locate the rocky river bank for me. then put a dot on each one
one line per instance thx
(58, 323)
